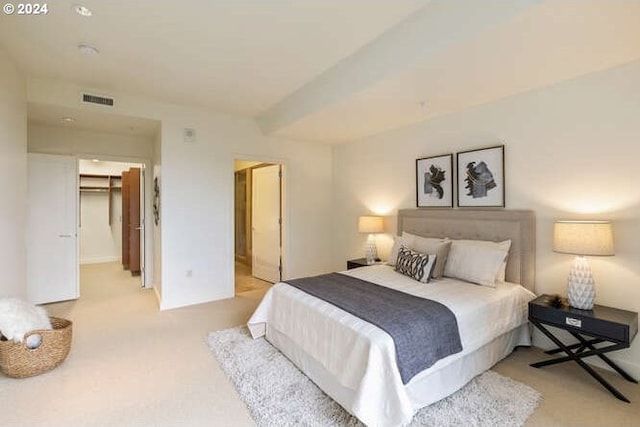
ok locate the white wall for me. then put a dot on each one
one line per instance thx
(13, 179)
(197, 204)
(571, 153)
(101, 240)
(87, 144)
(197, 193)
(97, 243)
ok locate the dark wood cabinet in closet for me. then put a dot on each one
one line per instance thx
(134, 220)
(125, 220)
(131, 226)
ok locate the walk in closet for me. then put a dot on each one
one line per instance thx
(110, 219)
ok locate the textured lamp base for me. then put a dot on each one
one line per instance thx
(581, 289)
(371, 250)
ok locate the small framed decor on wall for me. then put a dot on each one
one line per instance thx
(481, 177)
(434, 182)
(156, 201)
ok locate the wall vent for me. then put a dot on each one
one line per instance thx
(98, 100)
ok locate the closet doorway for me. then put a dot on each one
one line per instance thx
(111, 209)
(258, 224)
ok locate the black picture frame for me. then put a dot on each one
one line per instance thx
(434, 181)
(156, 201)
(481, 177)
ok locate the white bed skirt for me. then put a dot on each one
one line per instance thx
(425, 388)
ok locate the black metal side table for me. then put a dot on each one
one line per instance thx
(590, 327)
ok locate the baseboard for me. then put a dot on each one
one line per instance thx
(156, 291)
(99, 260)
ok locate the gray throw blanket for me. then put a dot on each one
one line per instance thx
(424, 331)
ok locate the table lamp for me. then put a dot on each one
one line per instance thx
(371, 225)
(582, 238)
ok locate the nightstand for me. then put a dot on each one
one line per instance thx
(360, 262)
(600, 325)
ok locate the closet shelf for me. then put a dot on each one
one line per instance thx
(95, 189)
(93, 183)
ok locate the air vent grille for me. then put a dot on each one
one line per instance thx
(99, 100)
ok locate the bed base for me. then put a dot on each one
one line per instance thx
(443, 379)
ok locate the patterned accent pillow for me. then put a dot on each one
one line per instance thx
(415, 265)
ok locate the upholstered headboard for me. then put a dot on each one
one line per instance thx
(494, 225)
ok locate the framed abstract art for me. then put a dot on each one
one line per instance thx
(481, 179)
(434, 182)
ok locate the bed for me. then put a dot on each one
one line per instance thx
(354, 361)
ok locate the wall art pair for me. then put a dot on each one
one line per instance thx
(480, 179)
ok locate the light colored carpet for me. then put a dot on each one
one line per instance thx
(133, 366)
(278, 394)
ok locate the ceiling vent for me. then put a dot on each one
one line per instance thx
(87, 98)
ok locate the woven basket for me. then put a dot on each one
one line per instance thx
(19, 361)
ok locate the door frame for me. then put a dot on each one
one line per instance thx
(146, 276)
(284, 211)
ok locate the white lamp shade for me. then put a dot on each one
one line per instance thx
(370, 224)
(583, 237)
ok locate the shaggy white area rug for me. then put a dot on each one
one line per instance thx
(278, 394)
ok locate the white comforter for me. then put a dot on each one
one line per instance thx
(361, 357)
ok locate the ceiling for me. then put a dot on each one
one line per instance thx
(323, 70)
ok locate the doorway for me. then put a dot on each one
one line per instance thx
(111, 209)
(89, 133)
(75, 219)
(258, 223)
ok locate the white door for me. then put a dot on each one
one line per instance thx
(265, 218)
(52, 220)
(143, 222)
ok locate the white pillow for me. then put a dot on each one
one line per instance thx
(429, 245)
(414, 264)
(477, 261)
(503, 246)
(17, 317)
(500, 278)
(393, 253)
